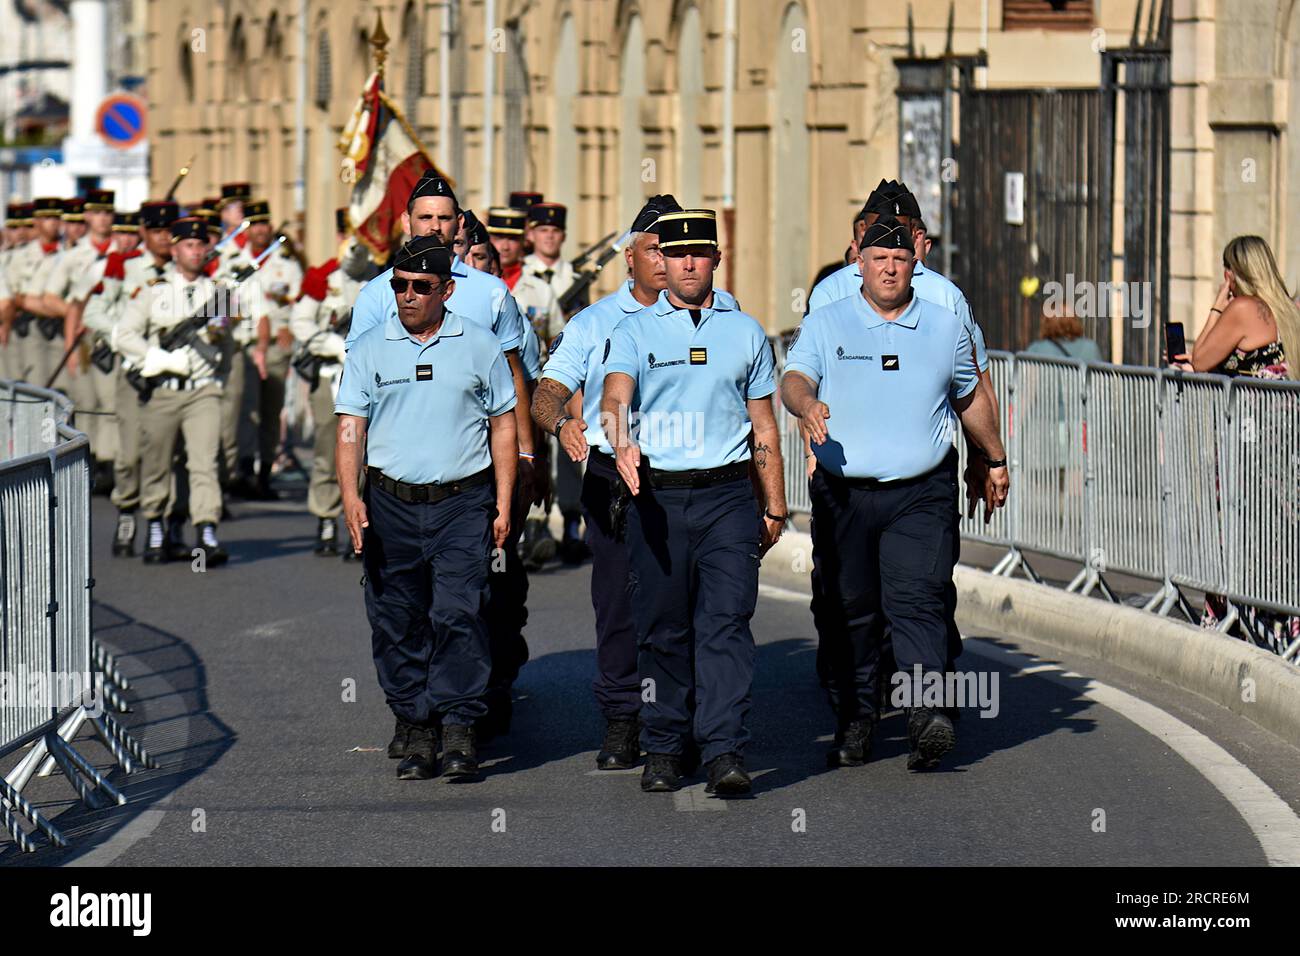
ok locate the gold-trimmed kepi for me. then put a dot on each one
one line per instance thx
(74, 209)
(547, 214)
(99, 200)
(505, 221)
(690, 227)
(126, 222)
(257, 210)
(47, 207)
(230, 192)
(522, 199)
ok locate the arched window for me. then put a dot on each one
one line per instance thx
(515, 91)
(324, 71)
(631, 138)
(412, 32)
(273, 59)
(790, 254)
(564, 138)
(237, 81)
(690, 92)
(185, 64)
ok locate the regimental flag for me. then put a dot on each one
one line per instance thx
(383, 159)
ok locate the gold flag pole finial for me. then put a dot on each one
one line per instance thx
(379, 41)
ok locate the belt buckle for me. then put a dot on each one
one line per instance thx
(419, 494)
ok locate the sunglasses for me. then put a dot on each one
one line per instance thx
(421, 286)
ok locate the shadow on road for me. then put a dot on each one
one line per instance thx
(171, 718)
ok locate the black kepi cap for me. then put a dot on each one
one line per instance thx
(522, 199)
(159, 214)
(690, 227)
(126, 221)
(189, 228)
(547, 214)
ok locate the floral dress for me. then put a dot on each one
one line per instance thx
(1267, 629)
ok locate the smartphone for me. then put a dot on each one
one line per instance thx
(1175, 341)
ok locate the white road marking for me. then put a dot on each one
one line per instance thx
(1270, 818)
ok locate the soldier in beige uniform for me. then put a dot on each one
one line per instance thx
(67, 284)
(267, 343)
(188, 381)
(26, 269)
(125, 276)
(319, 322)
(18, 232)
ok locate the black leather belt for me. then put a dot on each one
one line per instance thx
(700, 478)
(949, 462)
(425, 494)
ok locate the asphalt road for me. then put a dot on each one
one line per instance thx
(239, 680)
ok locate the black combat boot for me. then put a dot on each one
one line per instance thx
(177, 549)
(622, 748)
(459, 756)
(662, 773)
(206, 541)
(155, 551)
(327, 539)
(852, 744)
(421, 755)
(124, 537)
(727, 776)
(397, 747)
(931, 735)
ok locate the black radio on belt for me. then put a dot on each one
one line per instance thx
(49, 328)
(23, 324)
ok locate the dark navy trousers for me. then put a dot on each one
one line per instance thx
(883, 559)
(618, 684)
(693, 557)
(426, 589)
(507, 607)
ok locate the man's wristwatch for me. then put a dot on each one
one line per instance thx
(995, 462)
(560, 423)
(779, 519)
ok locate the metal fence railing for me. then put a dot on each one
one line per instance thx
(1188, 480)
(55, 675)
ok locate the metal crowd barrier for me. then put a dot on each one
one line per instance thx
(1187, 480)
(55, 679)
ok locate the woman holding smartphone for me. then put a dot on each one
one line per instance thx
(1253, 328)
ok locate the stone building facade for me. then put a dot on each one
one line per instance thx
(598, 103)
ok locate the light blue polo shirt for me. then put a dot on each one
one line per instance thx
(926, 283)
(428, 403)
(479, 297)
(889, 384)
(578, 353)
(692, 382)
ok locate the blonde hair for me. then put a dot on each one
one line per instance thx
(1255, 269)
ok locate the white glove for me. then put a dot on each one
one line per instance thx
(329, 346)
(161, 362)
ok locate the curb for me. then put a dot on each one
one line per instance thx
(1205, 663)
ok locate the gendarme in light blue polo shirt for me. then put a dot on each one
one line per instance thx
(479, 297)
(692, 382)
(889, 384)
(928, 284)
(428, 403)
(578, 353)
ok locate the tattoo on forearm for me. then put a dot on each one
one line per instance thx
(760, 454)
(548, 402)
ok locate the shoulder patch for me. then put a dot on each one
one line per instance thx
(794, 338)
(606, 356)
(555, 342)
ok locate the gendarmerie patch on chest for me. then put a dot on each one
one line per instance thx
(699, 356)
(889, 363)
(424, 373)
